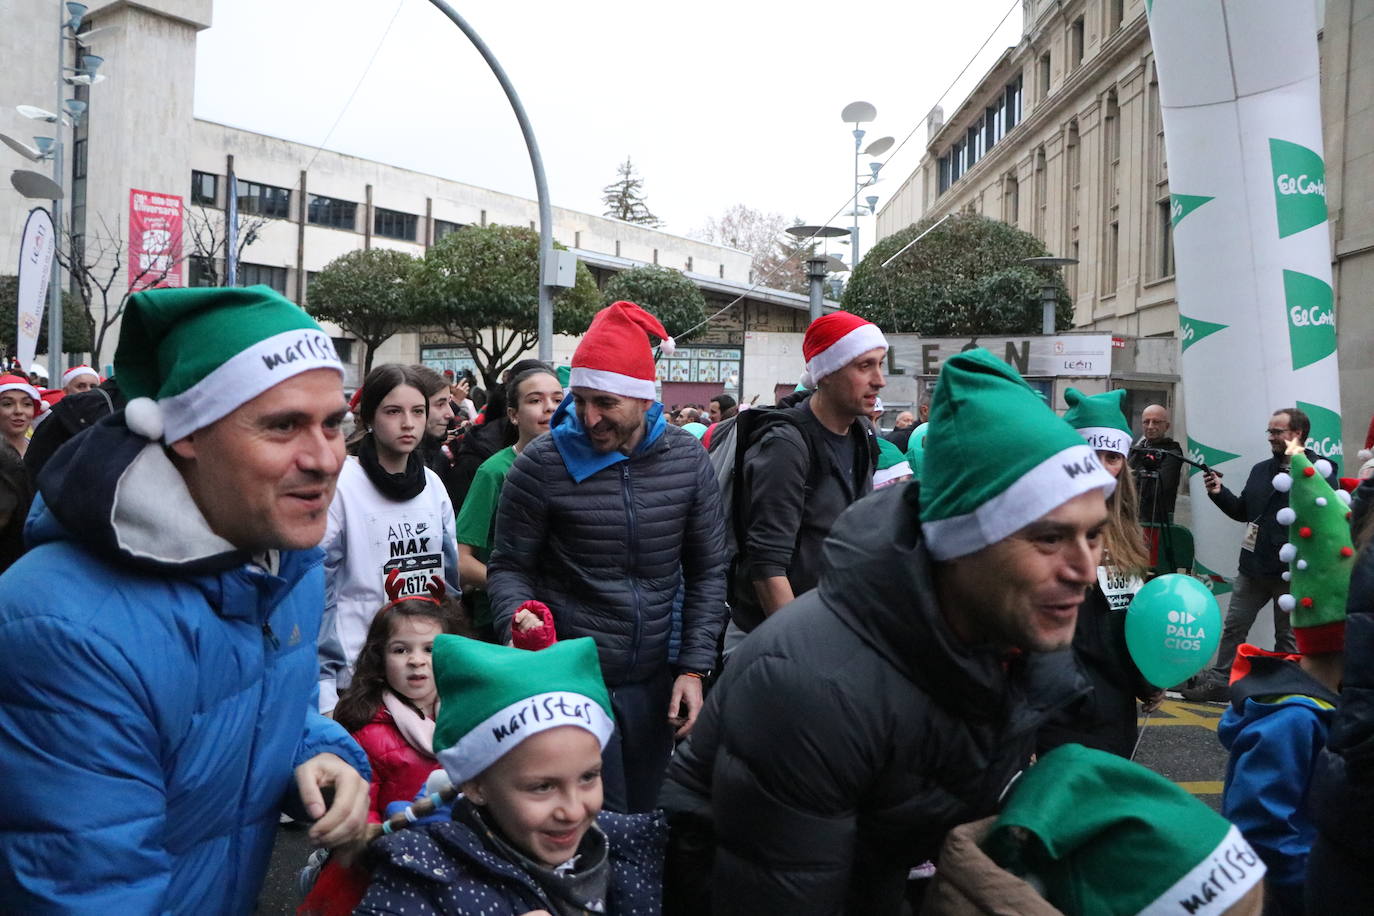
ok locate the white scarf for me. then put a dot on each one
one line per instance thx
(415, 728)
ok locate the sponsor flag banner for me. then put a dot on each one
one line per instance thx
(155, 239)
(1239, 92)
(37, 248)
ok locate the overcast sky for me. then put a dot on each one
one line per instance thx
(718, 102)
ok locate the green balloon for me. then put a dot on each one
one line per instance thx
(1173, 626)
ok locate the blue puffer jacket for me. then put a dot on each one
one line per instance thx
(447, 868)
(157, 694)
(607, 540)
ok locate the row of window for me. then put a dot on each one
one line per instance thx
(268, 200)
(982, 135)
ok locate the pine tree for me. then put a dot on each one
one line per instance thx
(624, 198)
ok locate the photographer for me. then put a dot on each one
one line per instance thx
(1157, 466)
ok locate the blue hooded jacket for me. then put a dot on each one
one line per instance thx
(1274, 729)
(158, 693)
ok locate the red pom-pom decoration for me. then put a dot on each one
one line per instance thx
(1306, 602)
(1305, 532)
(1347, 551)
(1309, 471)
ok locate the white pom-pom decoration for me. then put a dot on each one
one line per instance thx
(1287, 602)
(668, 347)
(1287, 552)
(1287, 516)
(1343, 496)
(1323, 467)
(438, 781)
(1364, 455)
(807, 381)
(1286, 576)
(143, 416)
(1321, 500)
(1283, 483)
(1302, 564)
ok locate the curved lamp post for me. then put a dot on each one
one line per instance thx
(541, 187)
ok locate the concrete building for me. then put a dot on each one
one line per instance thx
(310, 206)
(1063, 138)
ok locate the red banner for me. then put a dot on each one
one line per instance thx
(155, 239)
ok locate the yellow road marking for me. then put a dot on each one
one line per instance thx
(1173, 713)
(1201, 788)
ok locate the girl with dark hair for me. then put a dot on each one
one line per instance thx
(533, 394)
(391, 523)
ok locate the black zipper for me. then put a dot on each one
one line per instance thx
(632, 558)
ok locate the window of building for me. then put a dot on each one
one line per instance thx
(204, 189)
(1073, 171)
(942, 180)
(200, 271)
(255, 274)
(1110, 245)
(264, 200)
(1011, 105)
(1041, 194)
(343, 346)
(956, 161)
(1044, 75)
(1164, 238)
(332, 212)
(1011, 200)
(1161, 240)
(443, 227)
(394, 224)
(1116, 12)
(1076, 43)
(973, 146)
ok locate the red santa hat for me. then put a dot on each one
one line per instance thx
(834, 341)
(615, 355)
(75, 372)
(19, 383)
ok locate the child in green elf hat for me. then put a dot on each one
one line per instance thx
(1106, 718)
(1282, 705)
(521, 733)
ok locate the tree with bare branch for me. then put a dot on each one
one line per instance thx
(97, 263)
(207, 242)
(778, 260)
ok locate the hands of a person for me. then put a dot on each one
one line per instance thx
(526, 620)
(1151, 702)
(344, 820)
(459, 391)
(1211, 481)
(685, 705)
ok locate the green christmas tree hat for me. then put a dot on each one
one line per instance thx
(1100, 419)
(892, 464)
(494, 697)
(1319, 552)
(188, 357)
(1102, 835)
(996, 458)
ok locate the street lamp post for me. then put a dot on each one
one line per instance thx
(818, 263)
(1049, 292)
(857, 113)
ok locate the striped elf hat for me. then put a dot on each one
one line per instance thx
(494, 697)
(188, 357)
(996, 458)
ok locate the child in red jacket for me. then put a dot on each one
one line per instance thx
(389, 709)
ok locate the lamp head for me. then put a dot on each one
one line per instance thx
(78, 12)
(90, 63)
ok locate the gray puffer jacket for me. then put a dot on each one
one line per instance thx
(608, 555)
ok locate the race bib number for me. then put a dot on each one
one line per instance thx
(1117, 586)
(415, 552)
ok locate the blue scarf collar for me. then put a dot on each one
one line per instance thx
(579, 457)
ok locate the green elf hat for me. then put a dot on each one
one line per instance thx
(1103, 835)
(892, 464)
(916, 450)
(494, 697)
(1100, 419)
(1319, 553)
(188, 357)
(997, 458)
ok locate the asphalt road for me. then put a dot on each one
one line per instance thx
(1179, 742)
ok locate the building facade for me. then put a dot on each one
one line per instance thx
(309, 206)
(1063, 138)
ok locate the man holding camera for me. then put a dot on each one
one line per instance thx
(1157, 463)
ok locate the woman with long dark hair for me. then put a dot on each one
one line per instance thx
(390, 524)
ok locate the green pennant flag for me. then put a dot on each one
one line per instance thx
(1193, 330)
(1180, 205)
(1311, 321)
(1299, 186)
(1205, 454)
(1218, 584)
(1325, 436)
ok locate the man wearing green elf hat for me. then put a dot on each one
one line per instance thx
(157, 708)
(901, 696)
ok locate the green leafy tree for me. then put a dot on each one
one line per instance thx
(624, 198)
(480, 285)
(368, 294)
(663, 292)
(964, 279)
(76, 335)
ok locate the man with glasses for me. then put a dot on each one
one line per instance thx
(1261, 571)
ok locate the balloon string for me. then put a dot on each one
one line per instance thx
(1143, 724)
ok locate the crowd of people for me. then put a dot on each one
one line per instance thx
(553, 648)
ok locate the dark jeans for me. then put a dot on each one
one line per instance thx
(1252, 593)
(636, 758)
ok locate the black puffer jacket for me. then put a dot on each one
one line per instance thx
(852, 730)
(607, 555)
